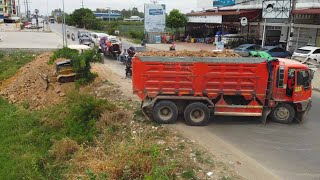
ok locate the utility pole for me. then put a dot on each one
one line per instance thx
(65, 43)
(291, 17)
(82, 4)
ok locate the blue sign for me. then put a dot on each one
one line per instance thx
(222, 3)
(155, 12)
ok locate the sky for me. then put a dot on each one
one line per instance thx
(70, 5)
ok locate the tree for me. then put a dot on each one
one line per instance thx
(83, 17)
(176, 19)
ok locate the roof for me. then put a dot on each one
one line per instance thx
(226, 13)
(79, 47)
(107, 14)
(306, 11)
(311, 48)
(292, 63)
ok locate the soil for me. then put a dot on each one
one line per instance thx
(29, 86)
(185, 53)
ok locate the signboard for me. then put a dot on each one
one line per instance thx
(276, 9)
(209, 4)
(205, 19)
(222, 3)
(244, 21)
(155, 18)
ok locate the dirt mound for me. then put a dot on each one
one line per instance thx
(29, 87)
(189, 54)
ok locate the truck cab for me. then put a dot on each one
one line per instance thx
(292, 91)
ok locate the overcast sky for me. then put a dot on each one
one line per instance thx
(70, 5)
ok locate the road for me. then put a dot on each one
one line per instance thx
(289, 151)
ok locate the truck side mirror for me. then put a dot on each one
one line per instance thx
(312, 72)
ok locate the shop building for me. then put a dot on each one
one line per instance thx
(304, 29)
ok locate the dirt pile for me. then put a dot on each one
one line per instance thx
(29, 87)
(189, 53)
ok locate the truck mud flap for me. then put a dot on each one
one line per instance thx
(146, 107)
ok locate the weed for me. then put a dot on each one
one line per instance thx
(85, 110)
(64, 149)
(25, 104)
(189, 174)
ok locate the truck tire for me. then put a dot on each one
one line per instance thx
(283, 113)
(197, 114)
(165, 112)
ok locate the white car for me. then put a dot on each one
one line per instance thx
(95, 37)
(114, 39)
(307, 53)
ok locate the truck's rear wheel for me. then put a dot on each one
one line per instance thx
(197, 114)
(165, 112)
(283, 113)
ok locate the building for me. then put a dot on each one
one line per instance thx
(134, 18)
(8, 9)
(107, 16)
(305, 29)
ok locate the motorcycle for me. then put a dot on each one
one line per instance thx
(131, 52)
(73, 37)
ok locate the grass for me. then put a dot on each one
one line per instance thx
(10, 63)
(36, 145)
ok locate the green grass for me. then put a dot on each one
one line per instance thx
(10, 63)
(29, 138)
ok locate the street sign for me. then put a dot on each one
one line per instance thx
(244, 21)
(155, 17)
(276, 9)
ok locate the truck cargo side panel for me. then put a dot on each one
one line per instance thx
(208, 79)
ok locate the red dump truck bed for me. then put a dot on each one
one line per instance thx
(198, 76)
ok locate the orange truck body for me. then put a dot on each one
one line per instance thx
(228, 86)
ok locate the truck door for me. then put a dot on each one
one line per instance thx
(302, 85)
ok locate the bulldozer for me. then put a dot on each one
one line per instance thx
(64, 71)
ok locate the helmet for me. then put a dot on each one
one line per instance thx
(291, 75)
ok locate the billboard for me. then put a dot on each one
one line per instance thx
(154, 17)
(276, 9)
(209, 4)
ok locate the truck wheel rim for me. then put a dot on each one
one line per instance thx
(282, 113)
(165, 113)
(197, 115)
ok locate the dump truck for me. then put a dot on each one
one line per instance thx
(200, 88)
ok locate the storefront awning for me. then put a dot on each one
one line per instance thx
(224, 13)
(306, 11)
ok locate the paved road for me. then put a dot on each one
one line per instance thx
(290, 151)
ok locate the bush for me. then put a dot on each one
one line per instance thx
(85, 110)
(63, 53)
(136, 34)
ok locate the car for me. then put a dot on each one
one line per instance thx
(96, 37)
(307, 53)
(85, 39)
(244, 49)
(276, 51)
(81, 32)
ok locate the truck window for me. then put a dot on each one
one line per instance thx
(303, 79)
(280, 77)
